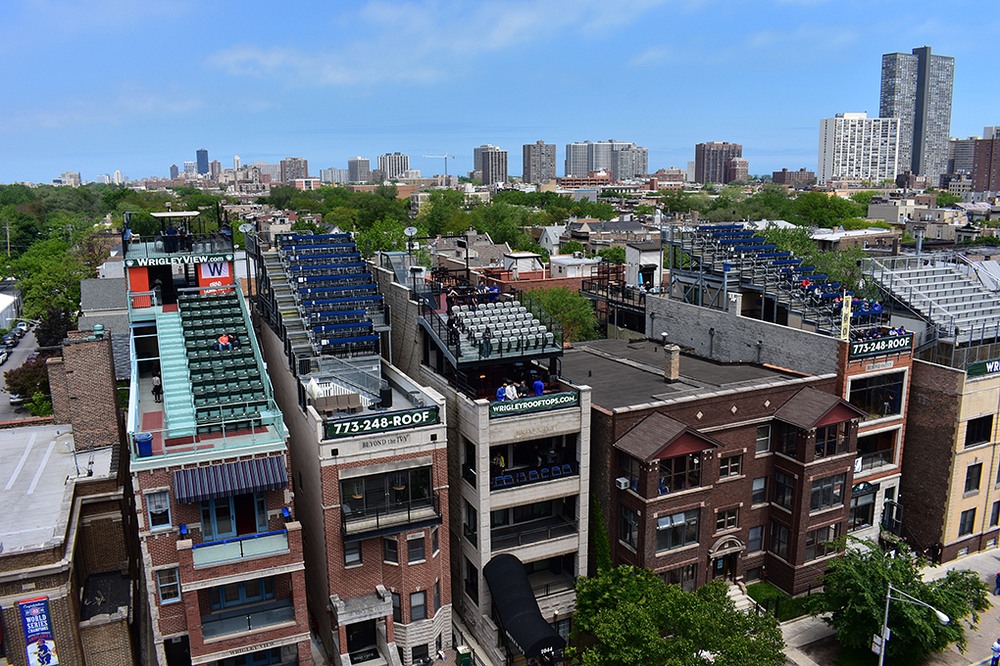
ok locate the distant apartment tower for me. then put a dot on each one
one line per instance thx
(492, 161)
(853, 146)
(291, 168)
(174, 171)
(236, 162)
(986, 166)
(392, 165)
(960, 155)
(916, 89)
(584, 158)
(576, 160)
(538, 162)
(711, 160)
(215, 169)
(738, 170)
(190, 168)
(201, 158)
(359, 170)
(118, 179)
(334, 175)
(793, 178)
(629, 162)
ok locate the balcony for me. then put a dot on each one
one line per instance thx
(240, 548)
(389, 518)
(874, 460)
(528, 475)
(239, 621)
(515, 536)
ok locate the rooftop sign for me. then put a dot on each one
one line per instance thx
(367, 425)
(539, 403)
(983, 368)
(891, 344)
(177, 259)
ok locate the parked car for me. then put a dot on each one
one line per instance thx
(10, 340)
(23, 326)
(17, 331)
(3, 356)
(16, 399)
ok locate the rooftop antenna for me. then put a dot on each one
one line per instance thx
(441, 157)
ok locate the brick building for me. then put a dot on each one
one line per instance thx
(223, 579)
(369, 455)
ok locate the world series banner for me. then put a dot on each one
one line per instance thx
(37, 626)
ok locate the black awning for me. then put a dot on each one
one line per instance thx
(517, 608)
(196, 484)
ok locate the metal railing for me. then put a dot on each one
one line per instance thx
(877, 459)
(239, 548)
(513, 537)
(213, 627)
(389, 514)
(164, 245)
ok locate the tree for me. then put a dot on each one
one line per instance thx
(629, 616)
(29, 379)
(572, 311)
(854, 592)
(53, 327)
(569, 247)
(613, 255)
(385, 235)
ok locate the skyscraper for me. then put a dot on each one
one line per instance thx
(493, 163)
(292, 168)
(359, 170)
(174, 171)
(853, 146)
(576, 159)
(916, 88)
(589, 156)
(538, 162)
(202, 160)
(392, 165)
(711, 160)
(629, 161)
(986, 166)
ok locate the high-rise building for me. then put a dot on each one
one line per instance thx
(392, 165)
(190, 169)
(960, 155)
(800, 177)
(174, 171)
(359, 170)
(986, 166)
(538, 162)
(215, 169)
(853, 146)
(202, 161)
(492, 161)
(737, 170)
(916, 89)
(711, 160)
(628, 161)
(991, 132)
(292, 168)
(271, 172)
(118, 177)
(236, 162)
(334, 175)
(584, 158)
(576, 160)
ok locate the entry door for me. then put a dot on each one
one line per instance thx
(361, 642)
(724, 566)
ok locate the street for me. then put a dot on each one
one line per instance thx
(17, 356)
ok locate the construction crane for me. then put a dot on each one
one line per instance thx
(441, 157)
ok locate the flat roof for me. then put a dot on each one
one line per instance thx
(38, 472)
(623, 373)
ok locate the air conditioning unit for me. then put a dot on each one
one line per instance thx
(622, 483)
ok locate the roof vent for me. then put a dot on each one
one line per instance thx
(98, 330)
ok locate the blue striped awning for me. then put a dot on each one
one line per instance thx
(196, 484)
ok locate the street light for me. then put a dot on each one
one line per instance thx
(942, 618)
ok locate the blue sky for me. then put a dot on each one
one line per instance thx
(102, 85)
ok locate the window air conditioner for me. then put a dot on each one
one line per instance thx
(622, 483)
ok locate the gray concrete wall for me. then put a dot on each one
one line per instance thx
(728, 338)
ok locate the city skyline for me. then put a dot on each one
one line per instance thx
(422, 78)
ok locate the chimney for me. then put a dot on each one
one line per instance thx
(672, 364)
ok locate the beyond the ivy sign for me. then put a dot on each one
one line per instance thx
(367, 425)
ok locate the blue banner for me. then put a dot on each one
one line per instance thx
(36, 621)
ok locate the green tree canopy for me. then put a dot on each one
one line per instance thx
(573, 312)
(854, 593)
(628, 616)
(569, 247)
(613, 255)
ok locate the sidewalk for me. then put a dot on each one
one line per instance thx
(801, 633)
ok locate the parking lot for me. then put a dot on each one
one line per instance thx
(16, 357)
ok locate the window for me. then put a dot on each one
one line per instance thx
(763, 438)
(680, 473)
(630, 470)
(862, 512)
(419, 654)
(418, 606)
(397, 490)
(629, 527)
(241, 593)
(881, 395)
(218, 519)
(784, 489)
(755, 539)
(390, 551)
(169, 585)
(415, 550)
(966, 522)
(677, 530)
(352, 553)
(258, 658)
(995, 514)
(972, 475)
(435, 544)
(827, 493)
(158, 506)
(726, 519)
(684, 576)
(471, 580)
(979, 431)
(471, 526)
(759, 495)
(821, 542)
(779, 540)
(730, 466)
(830, 440)
(397, 610)
(437, 595)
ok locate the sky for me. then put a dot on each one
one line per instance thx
(105, 85)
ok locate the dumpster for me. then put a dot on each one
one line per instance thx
(144, 444)
(464, 655)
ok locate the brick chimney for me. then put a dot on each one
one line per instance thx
(672, 363)
(83, 387)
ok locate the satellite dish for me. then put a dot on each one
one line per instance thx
(245, 227)
(411, 231)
